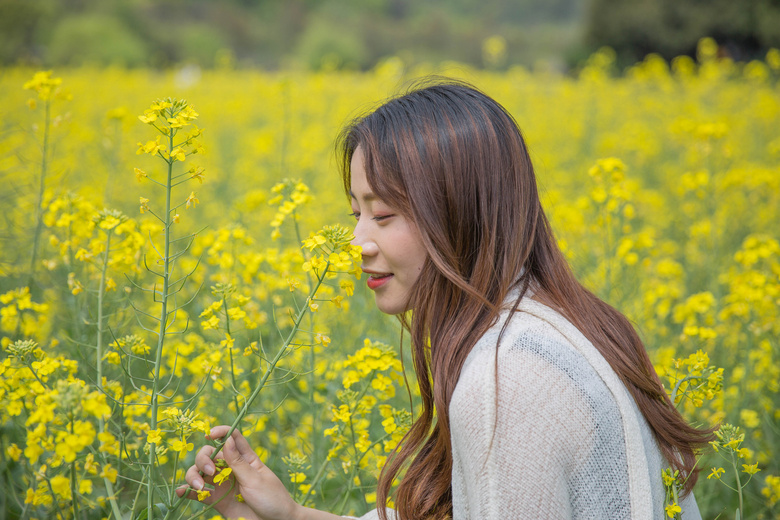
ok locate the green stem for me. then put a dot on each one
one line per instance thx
(101, 294)
(315, 481)
(312, 354)
(230, 353)
(74, 491)
(54, 498)
(163, 325)
(680, 382)
(41, 188)
(739, 485)
(73, 488)
(99, 364)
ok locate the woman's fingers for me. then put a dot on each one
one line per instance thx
(194, 478)
(191, 494)
(240, 451)
(242, 445)
(203, 460)
(217, 432)
(245, 466)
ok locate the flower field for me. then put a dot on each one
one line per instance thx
(171, 265)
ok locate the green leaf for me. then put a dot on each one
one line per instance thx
(160, 510)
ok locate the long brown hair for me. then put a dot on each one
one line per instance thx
(454, 161)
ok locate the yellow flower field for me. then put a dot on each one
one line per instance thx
(171, 265)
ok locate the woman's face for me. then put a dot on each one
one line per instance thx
(393, 252)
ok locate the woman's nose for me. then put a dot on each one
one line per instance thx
(367, 244)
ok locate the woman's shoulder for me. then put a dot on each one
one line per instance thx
(533, 328)
(532, 349)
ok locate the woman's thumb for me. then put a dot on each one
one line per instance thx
(238, 462)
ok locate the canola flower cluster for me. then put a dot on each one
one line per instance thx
(151, 291)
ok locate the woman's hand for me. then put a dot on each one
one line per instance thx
(265, 497)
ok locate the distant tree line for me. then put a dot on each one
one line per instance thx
(743, 29)
(357, 34)
(278, 33)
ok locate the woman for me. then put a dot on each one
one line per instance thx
(539, 400)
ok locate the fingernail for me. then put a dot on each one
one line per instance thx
(198, 484)
(209, 469)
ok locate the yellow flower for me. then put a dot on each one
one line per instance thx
(227, 342)
(347, 286)
(192, 200)
(314, 241)
(203, 494)
(673, 509)
(178, 154)
(196, 173)
(389, 425)
(61, 487)
(222, 476)
(749, 418)
(85, 487)
(150, 147)
(149, 117)
(750, 469)
(13, 452)
(211, 323)
(139, 174)
(154, 436)
(109, 473)
(44, 84)
(182, 446)
(716, 473)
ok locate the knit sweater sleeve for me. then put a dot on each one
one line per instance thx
(513, 450)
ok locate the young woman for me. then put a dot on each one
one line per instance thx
(539, 400)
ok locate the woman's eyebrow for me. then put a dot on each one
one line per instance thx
(368, 197)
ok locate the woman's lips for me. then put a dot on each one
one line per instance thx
(375, 281)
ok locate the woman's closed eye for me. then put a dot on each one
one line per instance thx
(376, 218)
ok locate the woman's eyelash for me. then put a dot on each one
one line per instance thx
(377, 218)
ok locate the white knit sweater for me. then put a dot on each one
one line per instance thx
(569, 439)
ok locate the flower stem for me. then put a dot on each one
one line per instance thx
(163, 326)
(39, 202)
(99, 365)
(739, 485)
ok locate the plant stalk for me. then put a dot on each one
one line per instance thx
(99, 365)
(163, 326)
(41, 189)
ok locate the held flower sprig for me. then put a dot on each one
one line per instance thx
(334, 252)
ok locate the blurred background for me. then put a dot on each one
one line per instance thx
(356, 34)
(654, 130)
